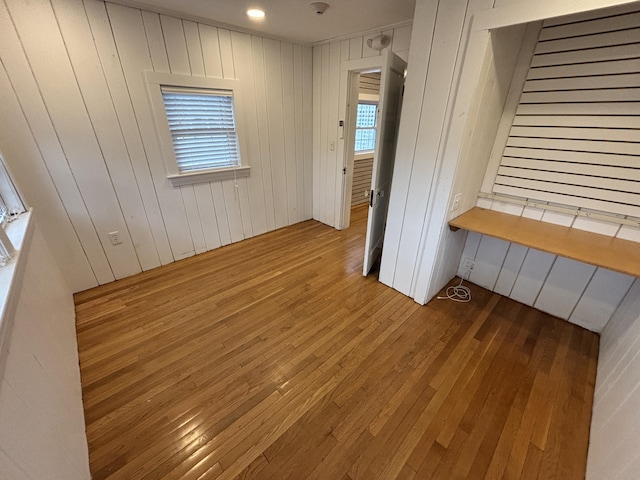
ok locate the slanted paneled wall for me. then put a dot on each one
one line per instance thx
(575, 138)
(615, 424)
(42, 428)
(80, 136)
(562, 95)
(583, 294)
(327, 160)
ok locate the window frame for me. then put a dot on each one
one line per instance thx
(375, 127)
(155, 81)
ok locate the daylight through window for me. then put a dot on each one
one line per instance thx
(366, 127)
(202, 126)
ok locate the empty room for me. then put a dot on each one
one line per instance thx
(331, 240)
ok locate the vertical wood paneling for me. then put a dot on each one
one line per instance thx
(412, 107)
(289, 113)
(615, 424)
(333, 166)
(23, 156)
(273, 70)
(97, 141)
(308, 130)
(340, 146)
(510, 269)
(532, 275)
(329, 98)
(298, 119)
(324, 134)
(443, 62)
(77, 35)
(488, 262)
(600, 299)
(112, 68)
(563, 287)
(42, 429)
(203, 199)
(263, 129)
(27, 91)
(130, 35)
(355, 48)
(318, 213)
(583, 294)
(243, 60)
(234, 191)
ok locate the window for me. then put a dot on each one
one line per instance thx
(11, 206)
(202, 126)
(198, 127)
(366, 127)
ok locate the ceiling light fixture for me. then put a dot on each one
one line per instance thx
(319, 7)
(255, 13)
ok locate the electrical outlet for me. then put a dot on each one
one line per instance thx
(114, 237)
(456, 202)
(468, 264)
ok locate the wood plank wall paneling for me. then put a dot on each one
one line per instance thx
(327, 163)
(427, 107)
(42, 428)
(575, 137)
(362, 170)
(583, 294)
(370, 83)
(615, 425)
(82, 141)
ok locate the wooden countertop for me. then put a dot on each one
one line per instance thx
(600, 250)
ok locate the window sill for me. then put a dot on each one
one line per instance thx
(209, 175)
(20, 232)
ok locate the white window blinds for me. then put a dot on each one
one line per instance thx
(202, 126)
(575, 139)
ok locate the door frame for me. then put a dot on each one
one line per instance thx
(348, 71)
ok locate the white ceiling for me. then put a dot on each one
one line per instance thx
(294, 20)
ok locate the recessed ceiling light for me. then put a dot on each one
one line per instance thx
(255, 13)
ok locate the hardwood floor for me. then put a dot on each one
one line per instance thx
(274, 358)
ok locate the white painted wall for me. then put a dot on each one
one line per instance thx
(615, 425)
(42, 430)
(80, 136)
(328, 86)
(436, 158)
(436, 60)
(583, 294)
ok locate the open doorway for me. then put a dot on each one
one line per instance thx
(365, 138)
(370, 131)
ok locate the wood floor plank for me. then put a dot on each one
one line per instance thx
(273, 358)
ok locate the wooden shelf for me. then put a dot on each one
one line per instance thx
(600, 250)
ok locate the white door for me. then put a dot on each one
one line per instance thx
(391, 88)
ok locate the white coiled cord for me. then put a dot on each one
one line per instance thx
(457, 293)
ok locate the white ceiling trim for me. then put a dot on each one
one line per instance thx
(369, 31)
(205, 21)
